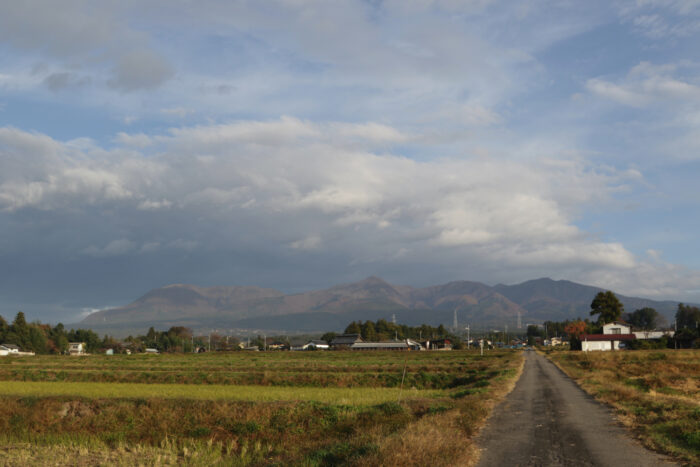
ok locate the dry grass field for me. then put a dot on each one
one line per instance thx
(656, 393)
(275, 408)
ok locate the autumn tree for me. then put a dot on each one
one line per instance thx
(575, 330)
(607, 307)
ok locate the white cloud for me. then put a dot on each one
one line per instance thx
(647, 84)
(311, 242)
(114, 248)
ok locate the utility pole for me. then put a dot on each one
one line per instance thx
(209, 344)
(468, 337)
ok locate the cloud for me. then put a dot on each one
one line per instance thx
(647, 84)
(140, 69)
(88, 38)
(296, 185)
(114, 248)
(63, 80)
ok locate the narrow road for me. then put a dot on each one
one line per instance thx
(547, 420)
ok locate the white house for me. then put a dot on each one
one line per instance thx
(9, 348)
(617, 327)
(614, 337)
(77, 348)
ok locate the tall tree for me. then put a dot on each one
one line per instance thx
(607, 307)
(644, 318)
(687, 316)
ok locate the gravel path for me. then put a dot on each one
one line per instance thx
(547, 420)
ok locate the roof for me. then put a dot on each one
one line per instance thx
(10, 346)
(621, 323)
(608, 337)
(346, 339)
(379, 345)
(317, 342)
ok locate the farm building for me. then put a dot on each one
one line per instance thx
(407, 344)
(77, 348)
(439, 344)
(344, 341)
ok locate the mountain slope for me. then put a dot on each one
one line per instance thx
(372, 298)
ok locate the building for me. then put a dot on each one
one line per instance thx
(439, 344)
(407, 344)
(615, 336)
(77, 348)
(646, 335)
(316, 345)
(344, 341)
(9, 349)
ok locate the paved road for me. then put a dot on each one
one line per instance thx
(549, 421)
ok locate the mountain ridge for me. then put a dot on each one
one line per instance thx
(257, 308)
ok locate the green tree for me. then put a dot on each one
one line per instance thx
(644, 318)
(353, 328)
(329, 336)
(607, 307)
(369, 333)
(687, 317)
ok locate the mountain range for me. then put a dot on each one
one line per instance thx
(245, 309)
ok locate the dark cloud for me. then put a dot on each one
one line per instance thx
(140, 69)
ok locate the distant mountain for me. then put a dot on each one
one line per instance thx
(246, 309)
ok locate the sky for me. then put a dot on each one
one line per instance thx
(299, 144)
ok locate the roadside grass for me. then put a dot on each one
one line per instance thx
(312, 408)
(655, 392)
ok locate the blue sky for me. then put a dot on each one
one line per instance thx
(299, 144)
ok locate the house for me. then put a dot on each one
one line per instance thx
(10, 348)
(439, 344)
(316, 345)
(77, 348)
(615, 336)
(617, 327)
(407, 344)
(344, 341)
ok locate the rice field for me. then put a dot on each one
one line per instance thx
(267, 408)
(214, 392)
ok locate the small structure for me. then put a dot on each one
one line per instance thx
(77, 348)
(344, 341)
(109, 352)
(151, 351)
